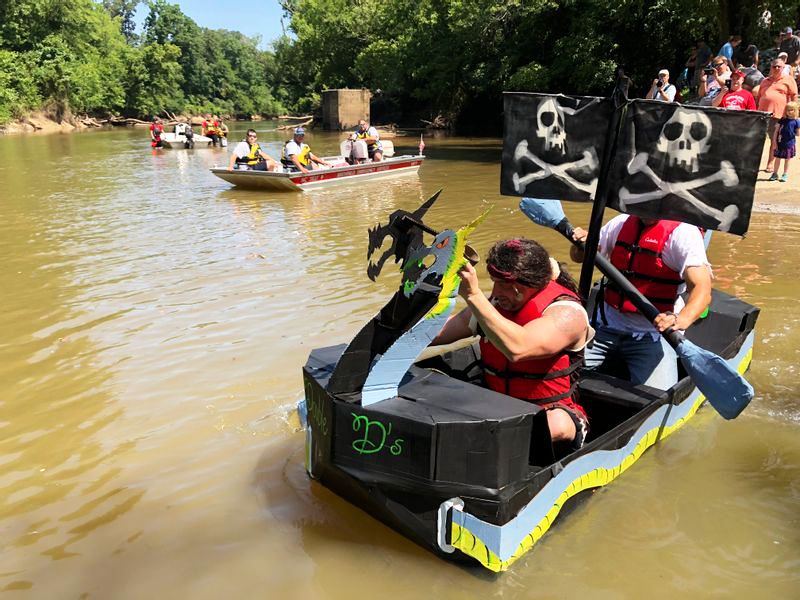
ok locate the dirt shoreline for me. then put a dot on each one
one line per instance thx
(40, 123)
(775, 196)
(770, 197)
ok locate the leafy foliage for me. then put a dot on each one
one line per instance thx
(83, 56)
(454, 58)
(449, 59)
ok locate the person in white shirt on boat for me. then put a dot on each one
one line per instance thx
(662, 259)
(249, 155)
(297, 154)
(370, 135)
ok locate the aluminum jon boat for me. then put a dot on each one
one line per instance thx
(341, 172)
(179, 140)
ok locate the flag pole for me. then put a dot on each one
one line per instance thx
(620, 100)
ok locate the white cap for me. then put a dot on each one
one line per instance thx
(663, 72)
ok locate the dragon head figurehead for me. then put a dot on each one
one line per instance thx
(405, 228)
(427, 294)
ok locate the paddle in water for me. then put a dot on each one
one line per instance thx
(726, 390)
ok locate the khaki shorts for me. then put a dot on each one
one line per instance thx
(772, 126)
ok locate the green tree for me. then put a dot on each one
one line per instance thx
(124, 10)
(18, 90)
(154, 80)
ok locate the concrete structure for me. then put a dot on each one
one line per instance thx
(342, 109)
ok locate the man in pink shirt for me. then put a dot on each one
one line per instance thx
(733, 96)
(775, 92)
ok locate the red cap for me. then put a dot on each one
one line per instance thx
(738, 73)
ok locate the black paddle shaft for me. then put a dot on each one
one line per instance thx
(642, 304)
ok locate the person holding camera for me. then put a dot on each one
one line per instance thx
(662, 90)
(733, 96)
(713, 79)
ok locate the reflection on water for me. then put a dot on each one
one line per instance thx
(155, 322)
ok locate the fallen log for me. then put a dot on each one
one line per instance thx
(127, 121)
(89, 122)
(290, 118)
(439, 122)
(303, 124)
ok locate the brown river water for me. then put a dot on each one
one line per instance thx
(153, 328)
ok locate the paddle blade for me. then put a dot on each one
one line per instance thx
(548, 213)
(726, 390)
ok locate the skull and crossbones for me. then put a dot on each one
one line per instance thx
(550, 125)
(550, 129)
(684, 138)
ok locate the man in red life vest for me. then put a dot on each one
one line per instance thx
(210, 129)
(662, 259)
(533, 330)
(156, 129)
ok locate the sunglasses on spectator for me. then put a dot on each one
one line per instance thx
(718, 65)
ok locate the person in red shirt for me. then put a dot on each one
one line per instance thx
(734, 96)
(156, 129)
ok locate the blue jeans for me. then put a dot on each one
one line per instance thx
(651, 362)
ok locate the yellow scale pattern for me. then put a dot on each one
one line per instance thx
(470, 545)
(450, 278)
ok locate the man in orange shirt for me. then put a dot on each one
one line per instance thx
(775, 92)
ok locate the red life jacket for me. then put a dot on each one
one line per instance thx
(637, 254)
(540, 380)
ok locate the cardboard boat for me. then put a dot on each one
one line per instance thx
(469, 473)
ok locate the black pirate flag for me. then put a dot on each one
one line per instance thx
(688, 163)
(553, 145)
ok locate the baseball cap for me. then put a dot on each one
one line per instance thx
(663, 72)
(787, 30)
(299, 131)
(738, 73)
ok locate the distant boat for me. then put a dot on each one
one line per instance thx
(341, 172)
(179, 140)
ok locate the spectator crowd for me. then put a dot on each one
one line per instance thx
(739, 78)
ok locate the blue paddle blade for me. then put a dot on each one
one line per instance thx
(548, 213)
(727, 391)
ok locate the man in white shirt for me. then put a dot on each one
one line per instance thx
(248, 155)
(662, 90)
(370, 135)
(297, 154)
(662, 259)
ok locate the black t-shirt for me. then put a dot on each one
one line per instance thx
(791, 46)
(752, 77)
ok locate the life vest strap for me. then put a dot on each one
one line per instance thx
(637, 248)
(511, 374)
(654, 278)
